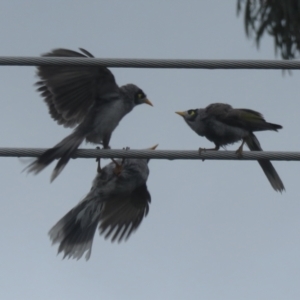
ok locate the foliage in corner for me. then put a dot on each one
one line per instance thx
(278, 18)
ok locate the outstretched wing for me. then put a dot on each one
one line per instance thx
(121, 216)
(70, 91)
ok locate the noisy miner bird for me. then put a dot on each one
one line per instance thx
(223, 125)
(118, 203)
(84, 96)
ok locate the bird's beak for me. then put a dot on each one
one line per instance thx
(180, 113)
(147, 101)
(154, 147)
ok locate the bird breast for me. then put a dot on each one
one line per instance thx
(106, 120)
(223, 134)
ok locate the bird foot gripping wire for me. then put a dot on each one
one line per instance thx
(98, 159)
(210, 149)
(239, 151)
(119, 166)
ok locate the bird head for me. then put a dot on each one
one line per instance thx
(188, 115)
(137, 94)
(141, 98)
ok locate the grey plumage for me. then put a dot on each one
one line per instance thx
(223, 125)
(118, 203)
(86, 96)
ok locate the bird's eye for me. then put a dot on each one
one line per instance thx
(140, 96)
(191, 112)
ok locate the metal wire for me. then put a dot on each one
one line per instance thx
(150, 63)
(159, 154)
(154, 63)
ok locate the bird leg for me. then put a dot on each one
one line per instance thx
(119, 167)
(217, 147)
(98, 162)
(239, 151)
(99, 170)
(98, 159)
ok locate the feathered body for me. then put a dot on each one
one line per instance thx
(83, 96)
(223, 125)
(115, 203)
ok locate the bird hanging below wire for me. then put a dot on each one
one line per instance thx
(118, 201)
(223, 125)
(86, 96)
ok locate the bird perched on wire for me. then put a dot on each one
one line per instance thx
(117, 202)
(86, 96)
(223, 125)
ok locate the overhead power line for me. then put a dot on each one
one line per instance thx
(159, 154)
(154, 63)
(150, 63)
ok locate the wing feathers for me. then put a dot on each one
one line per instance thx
(243, 118)
(70, 91)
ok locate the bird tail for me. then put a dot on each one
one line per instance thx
(75, 231)
(273, 177)
(64, 150)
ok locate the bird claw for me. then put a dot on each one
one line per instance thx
(210, 149)
(97, 159)
(239, 152)
(201, 150)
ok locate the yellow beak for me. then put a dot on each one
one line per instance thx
(147, 101)
(154, 147)
(180, 113)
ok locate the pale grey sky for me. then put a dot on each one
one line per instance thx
(216, 229)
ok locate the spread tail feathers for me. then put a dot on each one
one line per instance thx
(266, 165)
(75, 231)
(63, 150)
